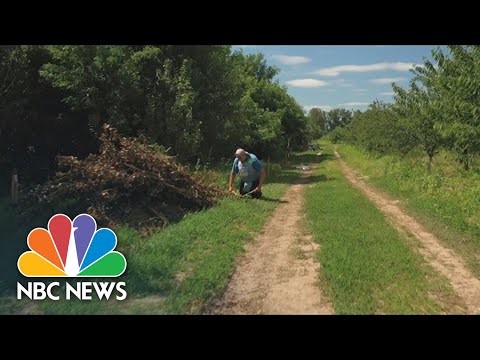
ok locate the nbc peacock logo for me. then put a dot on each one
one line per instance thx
(72, 249)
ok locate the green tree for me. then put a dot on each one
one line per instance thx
(419, 117)
(140, 90)
(378, 130)
(338, 117)
(32, 114)
(199, 101)
(271, 119)
(317, 122)
(451, 81)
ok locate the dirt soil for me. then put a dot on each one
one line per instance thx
(278, 273)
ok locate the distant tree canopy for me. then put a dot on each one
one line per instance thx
(338, 117)
(317, 121)
(199, 101)
(439, 109)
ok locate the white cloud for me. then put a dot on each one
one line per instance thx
(306, 83)
(387, 93)
(323, 107)
(246, 46)
(354, 104)
(291, 60)
(360, 90)
(383, 81)
(341, 82)
(337, 70)
(313, 83)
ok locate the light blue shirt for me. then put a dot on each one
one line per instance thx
(249, 170)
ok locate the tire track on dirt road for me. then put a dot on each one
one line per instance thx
(278, 273)
(444, 260)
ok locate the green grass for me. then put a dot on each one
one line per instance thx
(447, 201)
(367, 267)
(179, 269)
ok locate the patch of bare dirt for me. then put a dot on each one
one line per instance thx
(278, 273)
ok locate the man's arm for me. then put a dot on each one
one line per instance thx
(232, 175)
(230, 182)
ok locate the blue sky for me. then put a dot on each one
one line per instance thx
(342, 76)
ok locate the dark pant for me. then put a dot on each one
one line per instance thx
(256, 194)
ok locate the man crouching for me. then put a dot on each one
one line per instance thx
(252, 174)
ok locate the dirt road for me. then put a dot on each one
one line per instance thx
(278, 273)
(440, 257)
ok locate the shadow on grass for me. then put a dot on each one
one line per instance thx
(294, 178)
(264, 198)
(309, 158)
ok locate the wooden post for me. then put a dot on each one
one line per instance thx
(14, 189)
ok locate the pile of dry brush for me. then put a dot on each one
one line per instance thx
(126, 183)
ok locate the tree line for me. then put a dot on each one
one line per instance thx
(440, 109)
(326, 121)
(195, 102)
